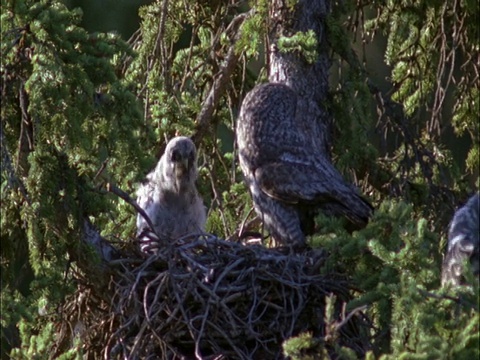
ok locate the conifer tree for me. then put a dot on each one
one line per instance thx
(69, 124)
(84, 113)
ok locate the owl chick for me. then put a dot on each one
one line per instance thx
(170, 198)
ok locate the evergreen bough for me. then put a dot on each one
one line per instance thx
(82, 110)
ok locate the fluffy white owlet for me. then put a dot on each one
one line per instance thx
(170, 198)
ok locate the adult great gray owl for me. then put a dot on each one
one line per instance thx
(463, 242)
(170, 198)
(289, 179)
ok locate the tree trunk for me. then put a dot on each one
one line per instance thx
(310, 81)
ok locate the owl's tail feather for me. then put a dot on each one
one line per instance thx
(353, 207)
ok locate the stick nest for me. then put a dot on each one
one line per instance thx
(204, 297)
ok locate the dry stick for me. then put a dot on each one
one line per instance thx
(242, 225)
(123, 195)
(349, 316)
(194, 263)
(187, 321)
(225, 272)
(116, 335)
(227, 338)
(221, 301)
(135, 284)
(25, 142)
(138, 337)
(146, 309)
(233, 319)
(198, 355)
(122, 262)
(217, 198)
(155, 301)
(207, 310)
(159, 49)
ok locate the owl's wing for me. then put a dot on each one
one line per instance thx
(304, 183)
(146, 199)
(293, 182)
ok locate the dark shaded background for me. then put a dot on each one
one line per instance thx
(120, 16)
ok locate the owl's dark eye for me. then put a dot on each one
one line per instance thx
(175, 156)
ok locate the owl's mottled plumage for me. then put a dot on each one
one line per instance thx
(170, 198)
(289, 178)
(463, 242)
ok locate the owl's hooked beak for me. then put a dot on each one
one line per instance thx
(182, 167)
(184, 162)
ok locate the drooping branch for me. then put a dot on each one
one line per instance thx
(123, 195)
(25, 142)
(220, 81)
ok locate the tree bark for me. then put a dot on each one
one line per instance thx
(310, 81)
